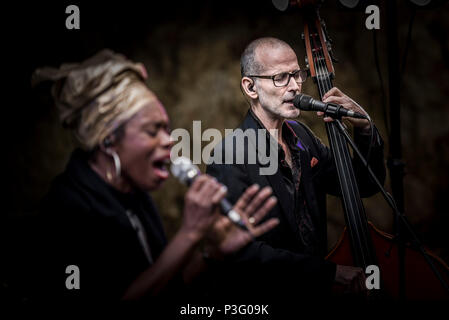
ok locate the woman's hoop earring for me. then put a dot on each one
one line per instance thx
(117, 165)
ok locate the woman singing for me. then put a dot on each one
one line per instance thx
(98, 216)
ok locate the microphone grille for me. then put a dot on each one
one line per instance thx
(183, 169)
(304, 102)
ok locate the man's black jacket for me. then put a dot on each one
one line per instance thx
(276, 259)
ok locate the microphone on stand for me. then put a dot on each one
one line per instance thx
(186, 172)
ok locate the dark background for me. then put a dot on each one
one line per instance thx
(191, 50)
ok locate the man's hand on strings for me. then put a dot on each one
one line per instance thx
(335, 95)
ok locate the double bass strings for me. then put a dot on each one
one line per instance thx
(324, 85)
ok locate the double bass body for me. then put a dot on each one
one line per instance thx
(420, 281)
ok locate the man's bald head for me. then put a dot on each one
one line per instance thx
(249, 62)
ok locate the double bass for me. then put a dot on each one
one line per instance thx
(361, 243)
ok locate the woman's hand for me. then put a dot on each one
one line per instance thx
(225, 237)
(201, 205)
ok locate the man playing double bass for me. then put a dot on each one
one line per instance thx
(293, 253)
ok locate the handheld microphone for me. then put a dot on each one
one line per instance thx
(307, 103)
(186, 172)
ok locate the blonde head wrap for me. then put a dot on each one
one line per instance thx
(98, 95)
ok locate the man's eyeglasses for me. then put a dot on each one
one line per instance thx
(283, 79)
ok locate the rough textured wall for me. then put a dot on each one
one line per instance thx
(192, 55)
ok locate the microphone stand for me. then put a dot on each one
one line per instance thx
(395, 164)
(401, 218)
